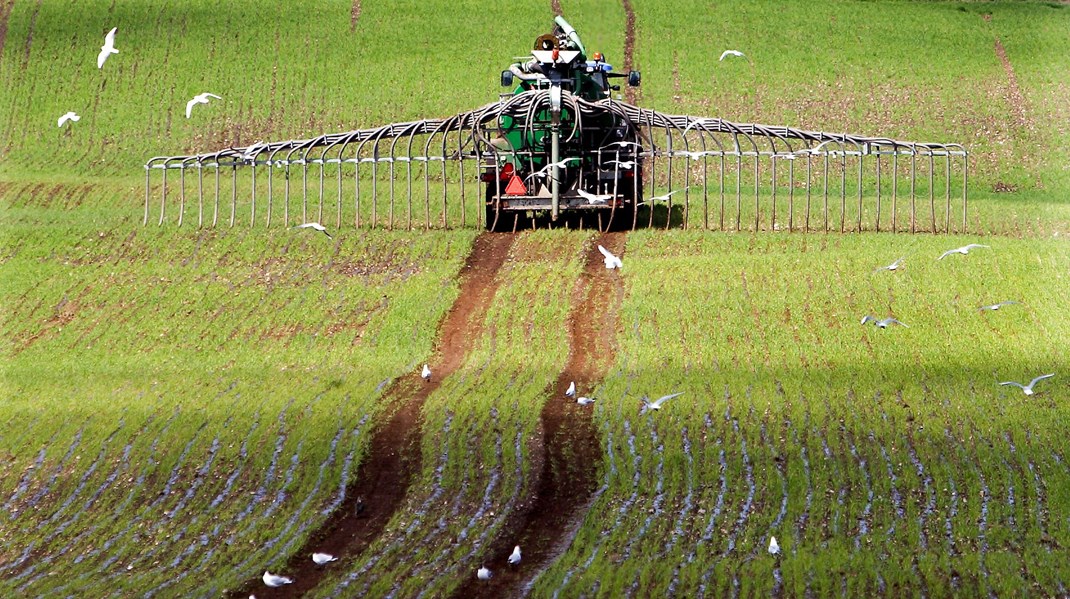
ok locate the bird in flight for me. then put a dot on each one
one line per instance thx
(774, 547)
(624, 164)
(622, 144)
(571, 391)
(426, 373)
(1028, 389)
(199, 99)
(962, 250)
(997, 306)
(315, 226)
(544, 170)
(882, 323)
(274, 580)
(323, 558)
(107, 49)
(656, 404)
(893, 266)
(728, 53)
(593, 198)
(585, 401)
(610, 260)
(483, 573)
(663, 197)
(70, 116)
(514, 557)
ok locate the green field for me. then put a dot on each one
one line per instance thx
(181, 408)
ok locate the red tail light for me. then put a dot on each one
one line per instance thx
(504, 174)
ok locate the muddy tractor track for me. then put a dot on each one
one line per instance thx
(630, 93)
(567, 480)
(383, 478)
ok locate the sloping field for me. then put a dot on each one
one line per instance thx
(183, 408)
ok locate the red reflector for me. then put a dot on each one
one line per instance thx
(516, 187)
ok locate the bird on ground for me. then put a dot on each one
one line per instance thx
(1028, 389)
(962, 250)
(199, 99)
(426, 373)
(514, 557)
(274, 580)
(656, 404)
(571, 391)
(893, 266)
(593, 198)
(882, 323)
(542, 172)
(610, 260)
(728, 53)
(624, 164)
(107, 49)
(70, 116)
(663, 197)
(585, 401)
(315, 226)
(997, 306)
(483, 573)
(774, 547)
(323, 558)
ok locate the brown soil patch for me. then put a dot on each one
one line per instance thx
(354, 15)
(555, 5)
(629, 47)
(570, 441)
(393, 458)
(5, 12)
(29, 36)
(1014, 92)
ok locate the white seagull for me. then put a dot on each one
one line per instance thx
(962, 250)
(997, 306)
(274, 580)
(663, 197)
(774, 547)
(426, 373)
(315, 226)
(623, 144)
(107, 49)
(656, 404)
(323, 558)
(1028, 389)
(585, 401)
(593, 198)
(199, 99)
(571, 391)
(544, 170)
(483, 573)
(882, 323)
(514, 557)
(728, 53)
(893, 266)
(624, 164)
(70, 116)
(611, 260)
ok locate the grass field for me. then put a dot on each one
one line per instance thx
(182, 408)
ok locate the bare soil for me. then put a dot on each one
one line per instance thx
(555, 5)
(5, 12)
(629, 47)
(393, 458)
(354, 16)
(571, 450)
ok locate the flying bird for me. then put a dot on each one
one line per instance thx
(593, 198)
(893, 266)
(323, 558)
(728, 53)
(624, 164)
(571, 391)
(70, 116)
(199, 99)
(107, 49)
(274, 580)
(962, 250)
(514, 557)
(1028, 389)
(544, 170)
(483, 573)
(610, 260)
(656, 404)
(663, 197)
(426, 373)
(997, 306)
(585, 401)
(774, 547)
(315, 226)
(882, 323)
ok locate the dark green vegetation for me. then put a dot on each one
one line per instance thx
(180, 407)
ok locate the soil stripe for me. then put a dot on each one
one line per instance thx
(629, 47)
(394, 452)
(5, 12)
(570, 441)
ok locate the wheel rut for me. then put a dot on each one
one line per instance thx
(393, 458)
(630, 93)
(571, 451)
